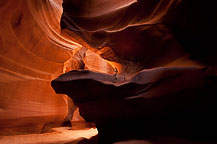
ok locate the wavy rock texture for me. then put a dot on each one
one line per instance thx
(132, 29)
(151, 32)
(33, 49)
(32, 53)
(159, 36)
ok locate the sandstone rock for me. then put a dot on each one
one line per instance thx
(151, 32)
(32, 53)
(154, 102)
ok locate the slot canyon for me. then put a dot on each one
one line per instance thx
(108, 72)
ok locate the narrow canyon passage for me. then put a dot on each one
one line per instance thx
(34, 51)
(118, 64)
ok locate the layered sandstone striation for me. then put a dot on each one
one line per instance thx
(32, 53)
(152, 33)
(42, 39)
(167, 80)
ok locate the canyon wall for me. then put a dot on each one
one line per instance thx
(32, 53)
(38, 43)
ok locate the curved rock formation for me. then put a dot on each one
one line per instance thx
(32, 53)
(155, 102)
(38, 43)
(161, 36)
(153, 32)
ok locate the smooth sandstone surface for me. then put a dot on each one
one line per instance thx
(38, 43)
(152, 33)
(161, 89)
(32, 53)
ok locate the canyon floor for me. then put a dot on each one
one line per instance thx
(60, 135)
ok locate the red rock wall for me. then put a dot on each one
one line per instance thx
(32, 53)
(153, 33)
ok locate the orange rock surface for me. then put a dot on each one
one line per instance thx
(34, 50)
(32, 53)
